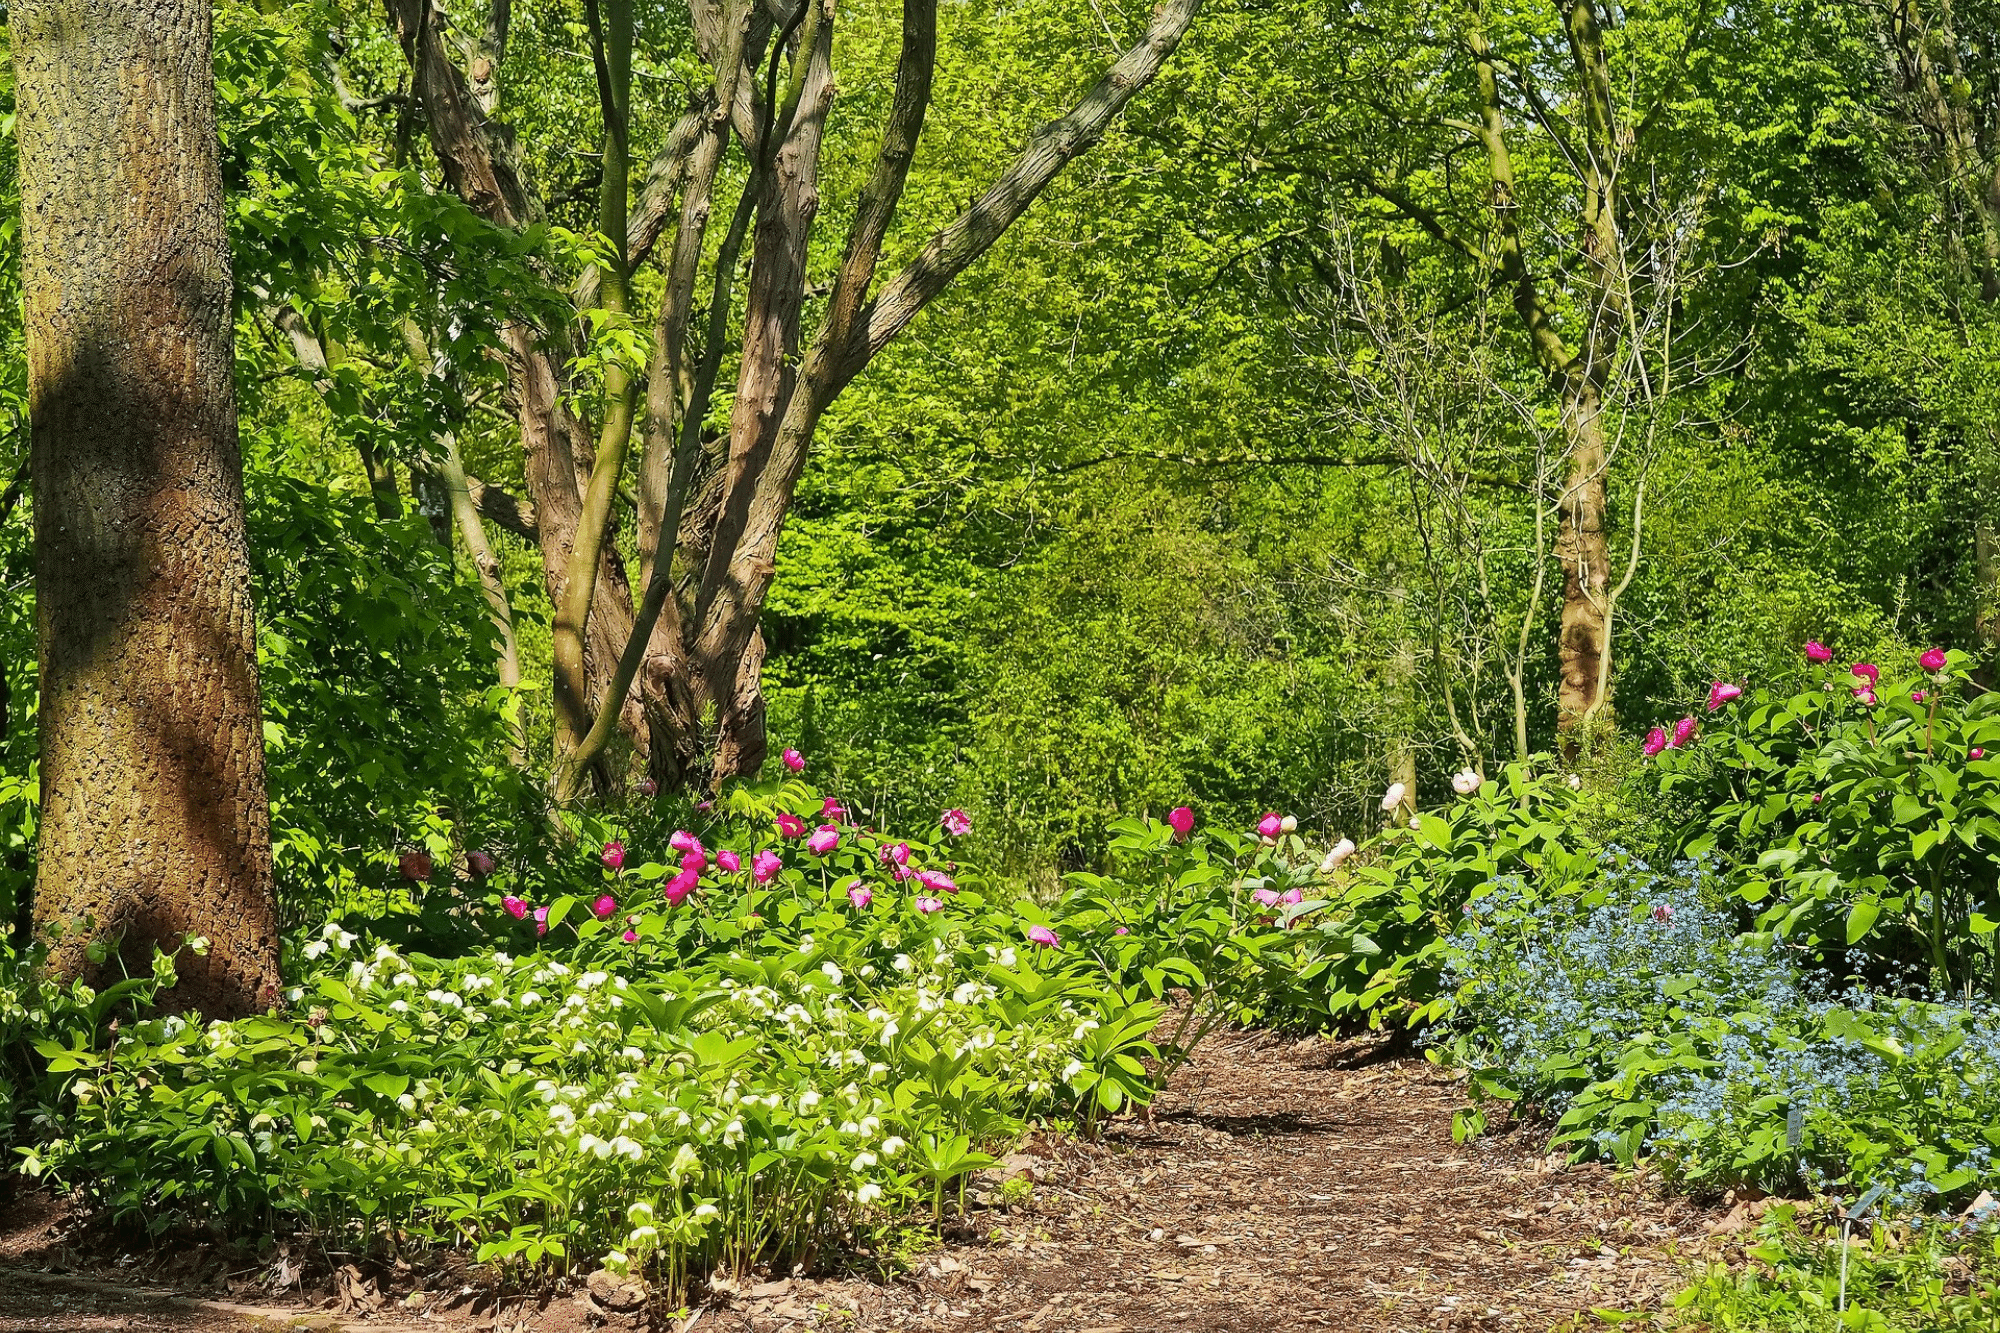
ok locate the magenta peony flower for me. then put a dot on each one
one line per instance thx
(1045, 937)
(613, 855)
(824, 839)
(1868, 671)
(832, 809)
(515, 907)
(1933, 660)
(1656, 741)
(794, 760)
(1817, 651)
(683, 841)
(1267, 897)
(630, 937)
(481, 863)
(765, 865)
(925, 906)
(415, 866)
(791, 826)
(729, 861)
(1916, 696)
(937, 881)
(1684, 731)
(956, 823)
(1270, 826)
(696, 860)
(604, 906)
(1976, 753)
(859, 894)
(896, 852)
(1721, 693)
(1181, 820)
(541, 920)
(681, 885)
(1866, 696)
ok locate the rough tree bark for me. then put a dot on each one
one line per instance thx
(155, 824)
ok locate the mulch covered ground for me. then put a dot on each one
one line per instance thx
(1279, 1185)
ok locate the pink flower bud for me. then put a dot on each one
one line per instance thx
(1932, 660)
(1181, 820)
(613, 855)
(604, 906)
(1121, 931)
(896, 852)
(925, 906)
(794, 760)
(1916, 696)
(696, 861)
(1976, 753)
(1270, 826)
(1656, 741)
(515, 907)
(541, 920)
(1045, 937)
(1721, 693)
(860, 895)
(683, 841)
(729, 860)
(765, 865)
(1684, 731)
(681, 885)
(832, 809)
(630, 937)
(1817, 651)
(648, 787)
(824, 839)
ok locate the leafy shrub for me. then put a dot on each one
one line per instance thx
(1859, 814)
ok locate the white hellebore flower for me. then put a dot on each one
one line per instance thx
(1466, 781)
(1576, 782)
(832, 972)
(1394, 796)
(1289, 824)
(868, 1193)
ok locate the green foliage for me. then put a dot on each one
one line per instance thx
(1865, 827)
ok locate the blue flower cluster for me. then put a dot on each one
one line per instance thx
(1637, 1012)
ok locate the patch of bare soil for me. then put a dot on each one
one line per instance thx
(1279, 1185)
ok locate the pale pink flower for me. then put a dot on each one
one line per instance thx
(794, 760)
(937, 881)
(1663, 913)
(897, 852)
(925, 906)
(859, 894)
(1267, 897)
(541, 920)
(1045, 937)
(824, 839)
(765, 865)
(1181, 820)
(1291, 896)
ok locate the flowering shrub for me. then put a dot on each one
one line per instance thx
(1859, 814)
(751, 1047)
(1637, 1014)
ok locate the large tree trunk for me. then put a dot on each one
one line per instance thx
(155, 825)
(1586, 563)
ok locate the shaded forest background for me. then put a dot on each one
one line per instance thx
(1229, 476)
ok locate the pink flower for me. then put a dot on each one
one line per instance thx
(832, 809)
(613, 855)
(604, 906)
(729, 860)
(902, 873)
(937, 881)
(683, 841)
(925, 906)
(1817, 651)
(541, 920)
(1932, 660)
(1866, 696)
(1270, 826)
(1817, 798)
(480, 863)
(1916, 696)
(1656, 741)
(1684, 732)
(824, 839)
(1721, 693)
(765, 865)
(1976, 753)
(1291, 896)
(648, 787)
(858, 894)
(515, 907)
(1868, 671)
(794, 760)
(630, 937)
(696, 861)
(956, 823)
(681, 885)
(1181, 820)
(1121, 931)
(1045, 937)
(415, 865)
(1268, 897)
(898, 852)
(791, 826)
(1663, 913)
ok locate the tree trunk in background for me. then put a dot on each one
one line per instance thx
(1585, 557)
(155, 824)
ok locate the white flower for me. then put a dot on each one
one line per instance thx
(1289, 824)
(1416, 824)
(704, 1211)
(1007, 957)
(892, 1145)
(627, 1147)
(503, 960)
(642, 1238)
(593, 1145)
(832, 972)
(862, 1161)
(407, 1102)
(685, 1161)
(316, 949)
(1576, 782)
(1340, 852)
(902, 963)
(808, 1099)
(1071, 1070)
(1393, 797)
(868, 1193)
(732, 1133)
(530, 999)
(1466, 781)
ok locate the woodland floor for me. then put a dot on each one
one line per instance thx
(1281, 1185)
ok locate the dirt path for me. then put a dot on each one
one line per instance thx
(1280, 1186)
